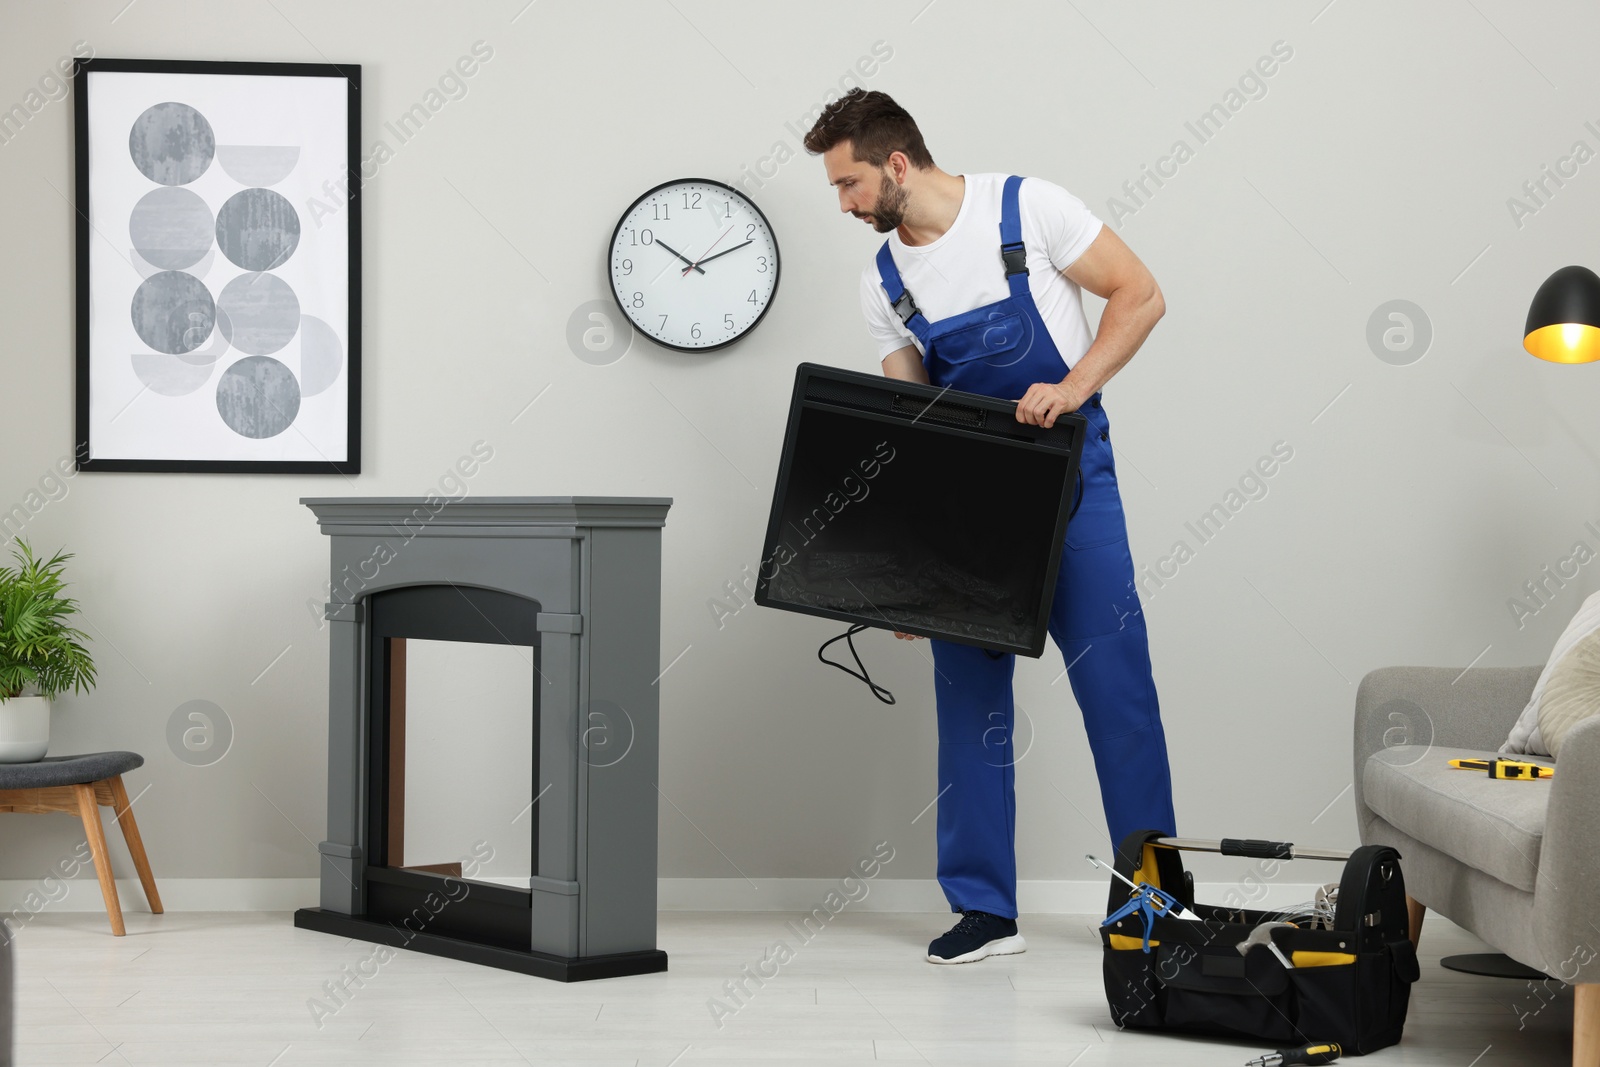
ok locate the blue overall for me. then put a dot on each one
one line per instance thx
(1000, 350)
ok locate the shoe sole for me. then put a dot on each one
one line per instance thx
(1000, 946)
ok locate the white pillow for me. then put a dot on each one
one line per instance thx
(1572, 694)
(1525, 737)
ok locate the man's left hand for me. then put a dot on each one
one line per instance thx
(1044, 402)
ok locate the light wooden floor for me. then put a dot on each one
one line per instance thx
(232, 988)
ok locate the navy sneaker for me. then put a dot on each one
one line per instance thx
(977, 935)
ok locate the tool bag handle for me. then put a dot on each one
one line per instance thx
(1237, 846)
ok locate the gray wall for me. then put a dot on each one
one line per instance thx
(1376, 166)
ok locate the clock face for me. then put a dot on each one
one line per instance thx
(694, 264)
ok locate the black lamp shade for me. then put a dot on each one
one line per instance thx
(1564, 318)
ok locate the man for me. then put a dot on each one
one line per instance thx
(978, 288)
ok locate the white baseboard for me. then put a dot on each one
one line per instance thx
(1037, 897)
(177, 894)
(673, 894)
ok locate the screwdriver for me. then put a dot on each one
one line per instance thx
(1322, 1052)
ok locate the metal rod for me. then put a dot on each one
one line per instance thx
(1114, 873)
(1190, 844)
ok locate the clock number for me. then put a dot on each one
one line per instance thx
(751, 299)
(750, 231)
(640, 237)
(627, 266)
(694, 331)
(638, 300)
(762, 269)
(727, 209)
(663, 323)
(687, 205)
(661, 213)
(727, 322)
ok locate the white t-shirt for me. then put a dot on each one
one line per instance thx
(962, 269)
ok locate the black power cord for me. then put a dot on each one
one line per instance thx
(848, 638)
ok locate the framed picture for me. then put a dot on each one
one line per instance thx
(218, 267)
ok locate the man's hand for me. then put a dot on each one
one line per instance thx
(1045, 401)
(909, 637)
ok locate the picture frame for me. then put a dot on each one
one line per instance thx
(218, 266)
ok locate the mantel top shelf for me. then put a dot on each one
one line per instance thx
(440, 511)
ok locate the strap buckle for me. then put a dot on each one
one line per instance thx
(906, 307)
(1015, 257)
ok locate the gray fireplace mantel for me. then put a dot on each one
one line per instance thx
(592, 565)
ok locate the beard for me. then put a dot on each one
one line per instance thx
(890, 210)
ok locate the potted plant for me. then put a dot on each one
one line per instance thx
(40, 654)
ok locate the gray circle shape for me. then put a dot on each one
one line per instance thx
(258, 397)
(607, 735)
(257, 229)
(321, 355)
(173, 312)
(1399, 332)
(199, 733)
(994, 737)
(171, 228)
(597, 334)
(260, 313)
(172, 143)
(1400, 730)
(167, 375)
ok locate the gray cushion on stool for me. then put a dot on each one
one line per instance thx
(67, 770)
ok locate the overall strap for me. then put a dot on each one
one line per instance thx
(1013, 253)
(900, 298)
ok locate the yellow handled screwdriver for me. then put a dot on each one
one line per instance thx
(1322, 1052)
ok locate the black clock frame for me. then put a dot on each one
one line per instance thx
(777, 267)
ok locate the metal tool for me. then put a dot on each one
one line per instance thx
(1262, 935)
(1170, 905)
(1319, 1052)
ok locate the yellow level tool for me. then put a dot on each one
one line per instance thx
(1505, 768)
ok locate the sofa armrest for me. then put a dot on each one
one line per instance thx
(1446, 706)
(1566, 909)
(8, 996)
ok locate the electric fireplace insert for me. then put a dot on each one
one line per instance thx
(908, 507)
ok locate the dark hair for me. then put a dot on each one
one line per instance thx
(874, 125)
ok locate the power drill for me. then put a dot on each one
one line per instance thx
(1320, 1052)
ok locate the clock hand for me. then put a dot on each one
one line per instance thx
(680, 255)
(696, 264)
(719, 255)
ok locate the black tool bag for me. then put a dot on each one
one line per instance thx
(1350, 984)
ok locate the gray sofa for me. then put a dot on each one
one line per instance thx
(1516, 863)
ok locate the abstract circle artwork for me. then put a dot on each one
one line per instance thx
(258, 229)
(219, 293)
(171, 228)
(172, 143)
(260, 313)
(258, 397)
(173, 312)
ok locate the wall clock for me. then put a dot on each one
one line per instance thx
(694, 264)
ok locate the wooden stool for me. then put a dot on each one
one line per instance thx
(78, 785)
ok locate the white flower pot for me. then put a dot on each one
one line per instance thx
(24, 729)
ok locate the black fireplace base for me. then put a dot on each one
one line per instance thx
(537, 964)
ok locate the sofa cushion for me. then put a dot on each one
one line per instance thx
(1493, 825)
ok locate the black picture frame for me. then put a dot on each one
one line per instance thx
(86, 233)
(894, 402)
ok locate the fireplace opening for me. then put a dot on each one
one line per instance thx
(452, 799)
